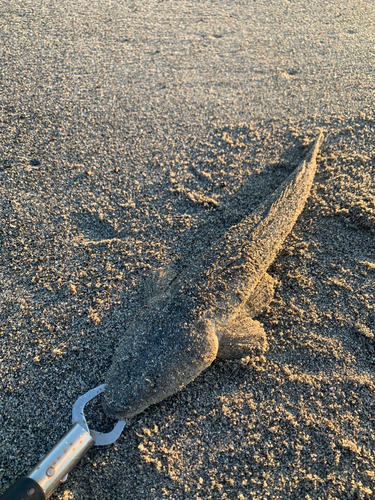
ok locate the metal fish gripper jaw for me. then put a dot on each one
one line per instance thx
(53, 469)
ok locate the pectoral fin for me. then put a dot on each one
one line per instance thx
(243, 337)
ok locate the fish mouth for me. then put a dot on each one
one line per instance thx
(122, 413)
(135, 399)
(126, 401)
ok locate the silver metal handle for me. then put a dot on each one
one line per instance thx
(54, 467)
(62, 458)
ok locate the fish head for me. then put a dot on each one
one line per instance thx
(161, 353)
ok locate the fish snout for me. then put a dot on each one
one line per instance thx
(138, 380)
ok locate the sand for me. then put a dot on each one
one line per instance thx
(132, 135)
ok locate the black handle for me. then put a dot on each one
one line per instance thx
(24, 489)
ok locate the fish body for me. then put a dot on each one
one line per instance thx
(207, 311)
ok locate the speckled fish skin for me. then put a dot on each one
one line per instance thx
(187, 322)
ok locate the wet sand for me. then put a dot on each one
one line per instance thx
(133, 135)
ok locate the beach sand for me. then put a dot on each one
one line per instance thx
(133, 134)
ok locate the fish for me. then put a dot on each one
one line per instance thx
(207, 310)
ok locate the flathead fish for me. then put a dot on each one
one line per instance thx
(208, 310)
